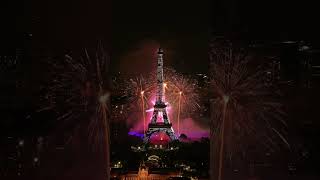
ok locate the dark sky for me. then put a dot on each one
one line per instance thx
(75, 20)
(183, 28)
(72, 24)
(267, 19)
(180, 27)
(55, 27)
(134, 29)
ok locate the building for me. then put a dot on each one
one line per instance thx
(309, 67)
(145, 174)
(9, 64)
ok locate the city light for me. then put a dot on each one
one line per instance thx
(21, 143)
(104, 98)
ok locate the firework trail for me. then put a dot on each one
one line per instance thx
(80, 93)
(244, 109)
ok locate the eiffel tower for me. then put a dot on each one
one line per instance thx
(159, 108)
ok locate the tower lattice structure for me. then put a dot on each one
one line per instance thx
(160, 110)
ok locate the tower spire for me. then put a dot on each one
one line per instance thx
(160, 77)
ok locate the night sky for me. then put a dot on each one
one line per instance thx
(266, 19)
(136, 28)
(70, 26)
(129, 28)
(140, 27)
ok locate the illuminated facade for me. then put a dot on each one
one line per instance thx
(144, 174)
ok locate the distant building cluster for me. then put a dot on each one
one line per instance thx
(294, 63)
(21, 156)
(9, 66)
(8, 62)
(145, 174)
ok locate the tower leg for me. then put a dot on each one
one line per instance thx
(170, 133)
(165, 117)
(154, 117)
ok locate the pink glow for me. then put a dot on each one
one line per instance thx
(159, 138)
(150, 110)
(188, 126)
(192, 129)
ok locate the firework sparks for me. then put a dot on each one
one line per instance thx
(181, 90)
(139, 90)
(180, 94)
(243, 106)
(79, 94)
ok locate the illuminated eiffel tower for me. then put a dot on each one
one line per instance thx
(160, 110)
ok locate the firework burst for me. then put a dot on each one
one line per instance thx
(79, 93)
(180, 93)
(244, 109)
(174, 84)
(181, 90)
(134, 88)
